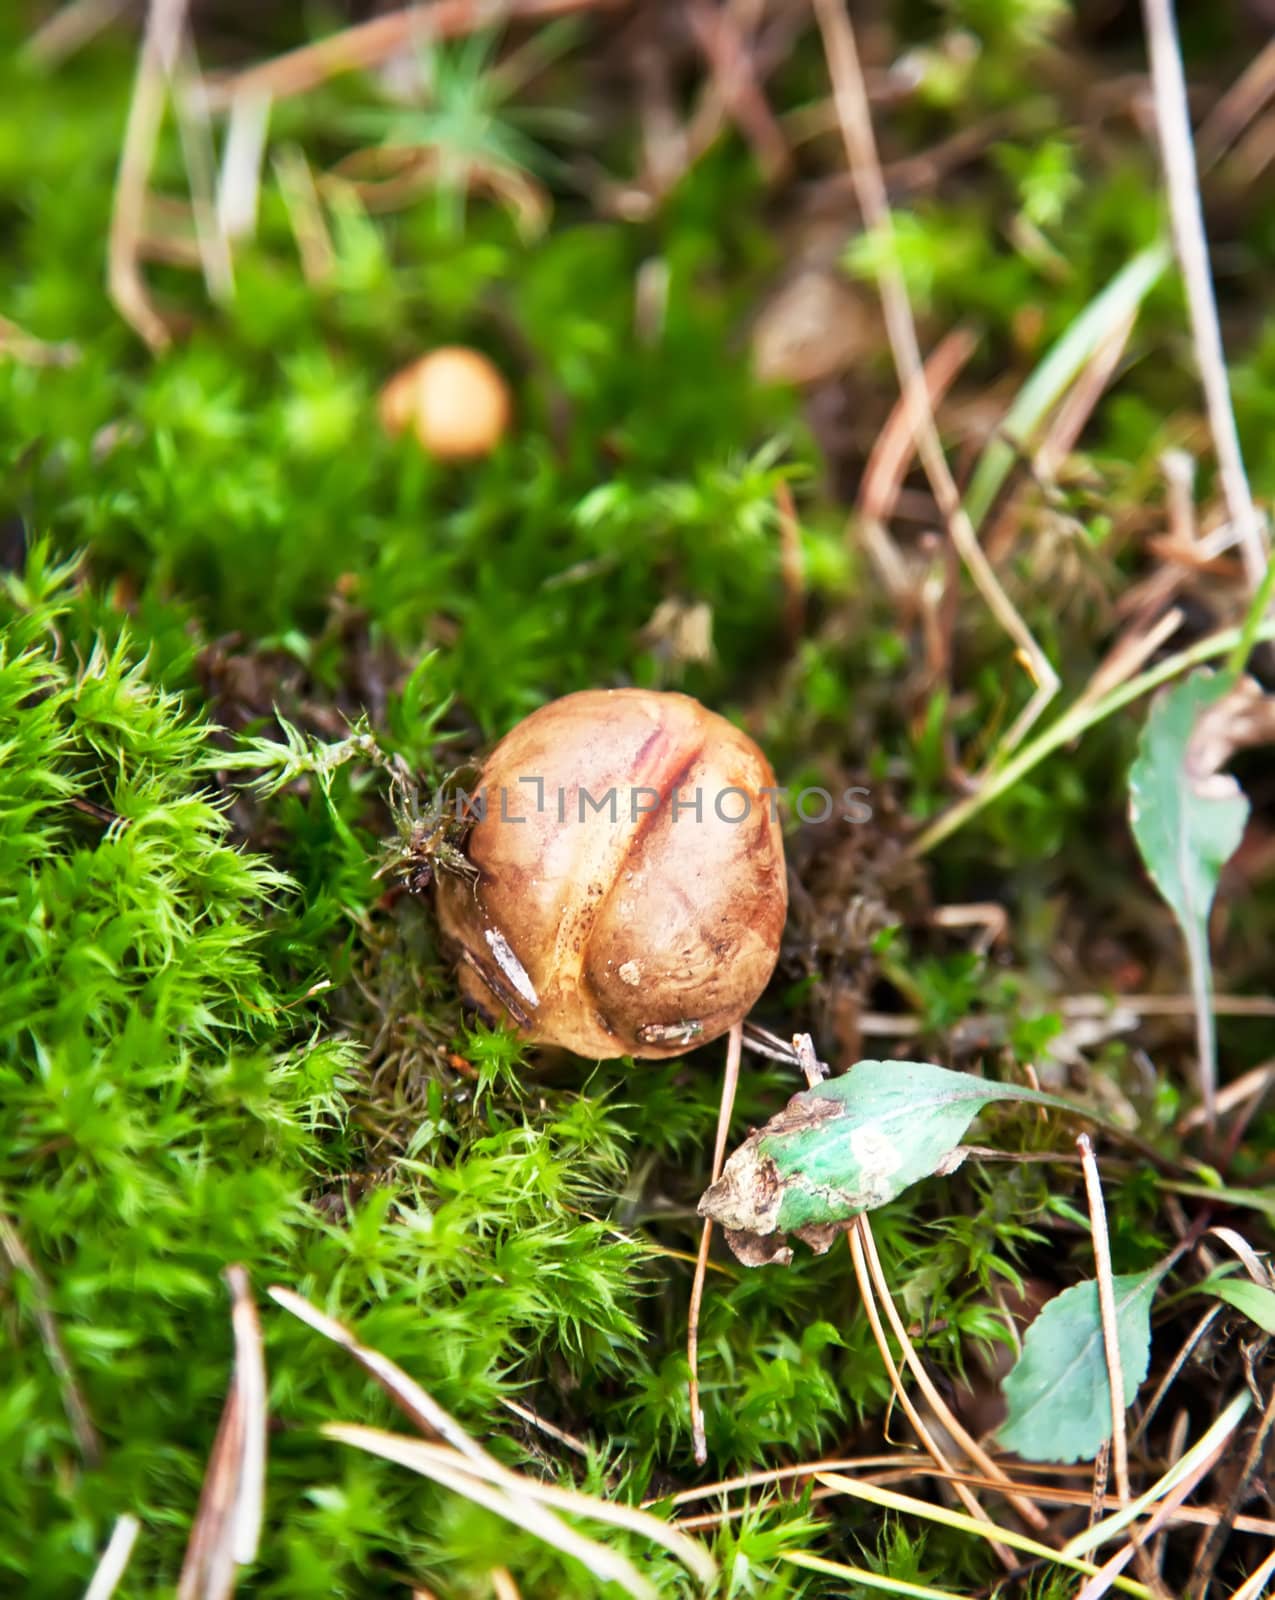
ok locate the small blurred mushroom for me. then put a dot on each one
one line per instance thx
(456, 400)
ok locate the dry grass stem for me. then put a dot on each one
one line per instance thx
(227, 1527)
(950, 1422)
(70, 28)
(855, 1239)
(724, 47)
(887, 464)
(305, 214)
(507, 1496)
(114, 1559)
(161, 44)
(368, 44)
(730, 1082)
(791, 567)
(1173, 123)
(1107, 1307)
(856, 125)
(1250, 1480)
(1243, 101)
(1166, 1382)
(239, 182)
(74, 1403)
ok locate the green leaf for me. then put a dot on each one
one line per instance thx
(1256, 1302)
(1059, 1392)
(844, 1147)
(1188, 820)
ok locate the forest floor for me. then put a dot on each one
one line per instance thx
(241, 622)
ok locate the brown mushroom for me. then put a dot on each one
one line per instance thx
(455, 399)
(629, 890)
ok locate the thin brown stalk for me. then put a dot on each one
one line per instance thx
(791, 570)
(1179, 1361)
(368, 44)
(70, 28)
(161, 42)
(1174, 126)
(1130, 653)
(887, 463)
(77, 1411)
(854, 113)
(855, 1238)
(547, 1428)
(1246, 97)
(730, 1082)
(1098, 1492)
(722, 43)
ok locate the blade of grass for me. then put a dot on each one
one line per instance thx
(1073, 722)
(891, 1500)
(1109, 1527)
(418, 1453)
(869, 1580)
(1058, 369)
(608, 1566)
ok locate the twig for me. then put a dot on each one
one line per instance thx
(1107, 1307)
(114, 1559)
(730, 1082)
(160, 45)
(77, 1411)
(367, 44)
(1173, 123)
(855, 116)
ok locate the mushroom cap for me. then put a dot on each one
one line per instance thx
(612, 914)
(455, 398)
